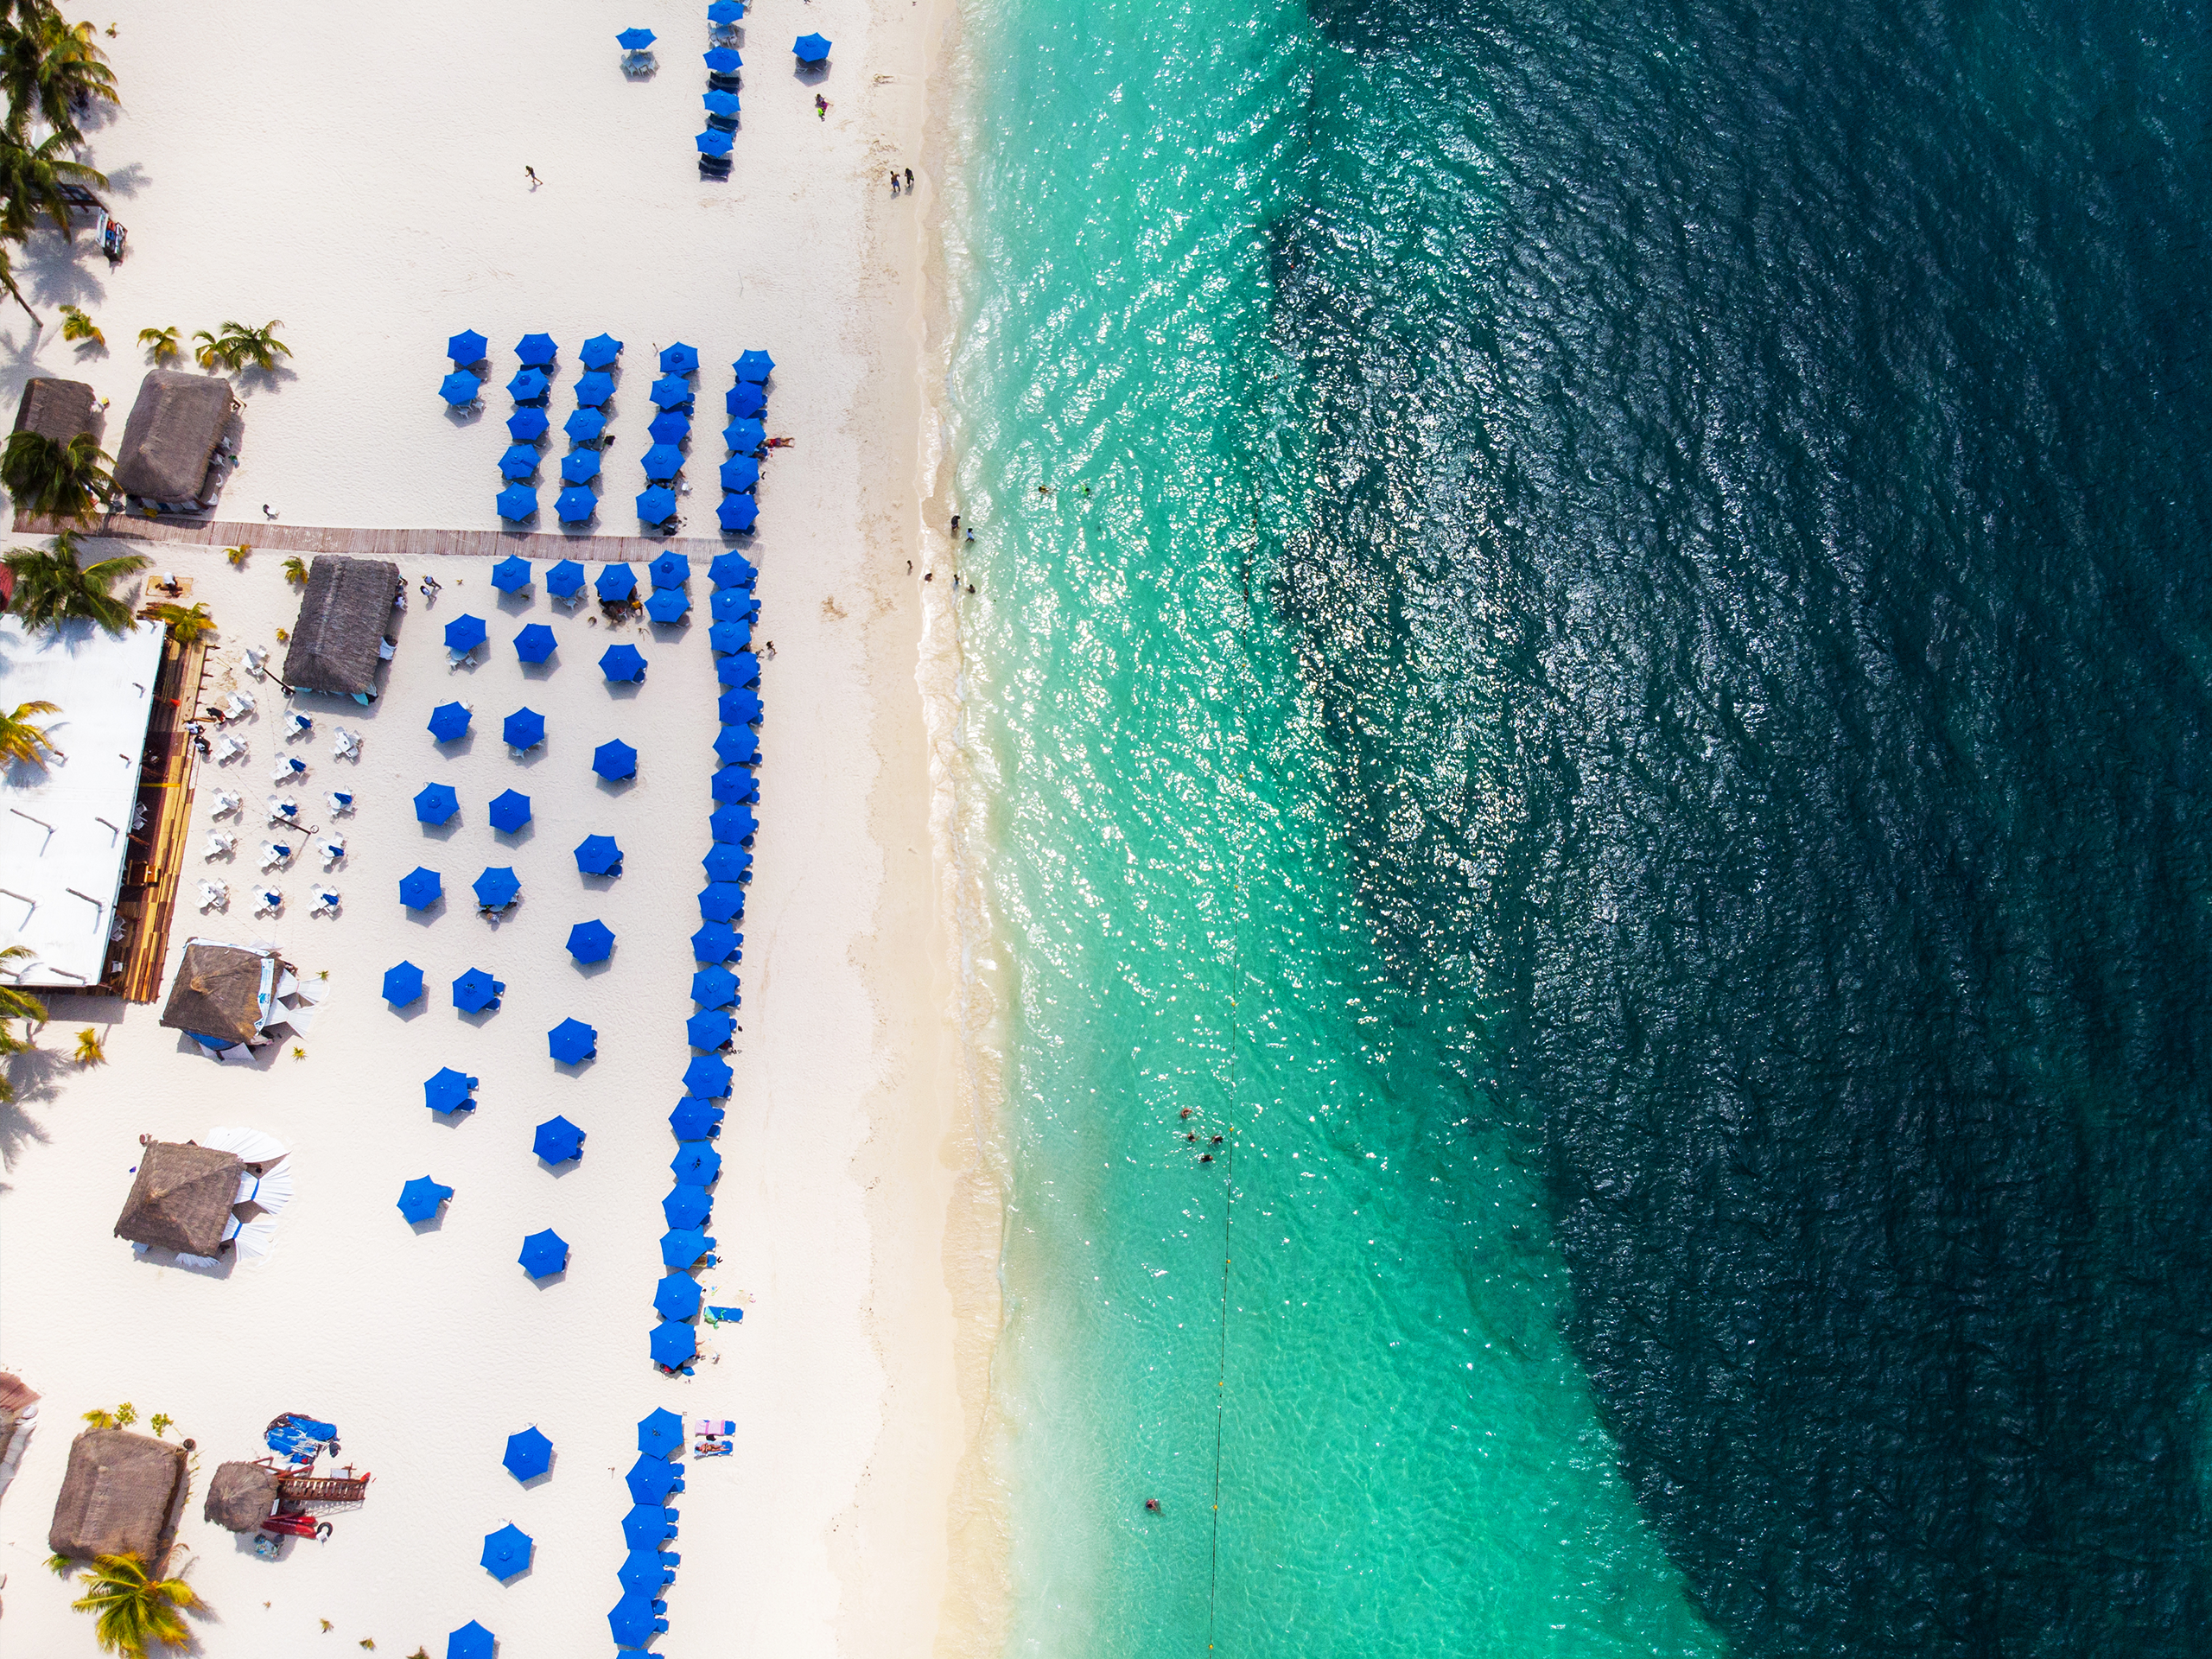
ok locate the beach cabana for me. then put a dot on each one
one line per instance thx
(710, 1028)
(655, 505)
(740, 474)
(678, 358)
(535, 643)
(516, 502)
(707, 1078)
(241, 1495)
(529, 386)
(592, 389)
(738, 514)
(721, 61)
(403, 982)
(715, 943)
(506, 1552)
(681, 1248)
(686, 1206)
(737, 707)
(614, 760)
(558, 1140)
(730, 636)
(460, 390)
(565, 580)
(645, 1525)
(754, 366)
(696, 1163)
(739, 668)
(745, 435)
(116, 1496)
(224, 993)
(527, 425)
(653, 1480)
(170, 439)
(449, 721)
(735, 824)
(694, 1120)
(517, 462)
(663, 462)
(579, 466)
(634, 40)
(449, 1091)
(420, 888)
(466, 347)
(737, 745)
(529, 1455)
(523, 730)
(510, 574)
(721, 902)
(536, 351)
(510, 810)
(811, 49)
(471, 1641)
(584, 425)
(673, 1344)
(644, 1572)
(420, 1198)
(616, 583)
(575, 505)
(599, 855)
(745, 400)
(727, 863)
(496, 888)
(475, 991)
(543, 1252)
(465, 632)
(602, 352)
(337, 640)
(667, 606)
(714, 142)
(713, 988)
(732, 570)
(180, 1197)
(676, 1297)
(672, 392)
(721, 107)
(622, 663)
(735, 783)
(591, 940)
(60, 412)
(572, 1042)
(669, 426)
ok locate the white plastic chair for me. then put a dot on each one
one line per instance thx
(344, 746)
(282, 809)
(257, 661)
(341, 801)
(229, 749)
(240, 704)
(326, 902)
(214, 895)
(225, 804)
(287, 767)
(297, 724)
(268, 902)
(333, 851)
(274, 853)
(218, 845)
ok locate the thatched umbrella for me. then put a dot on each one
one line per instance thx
(59, 409)
(181, 1198)
(116, 1497)
(241, 1495)
(217, 991)
(343, 617)
(171, 436)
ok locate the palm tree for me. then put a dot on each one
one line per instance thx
(136, 1611)
(67, 480)
(237, 345)
(237, 555)
(52, 588)
(52, 71)
(31, 177)
(88, 1050)
(162, 343)
(77, 324)
(23, 741)
(208, 353)
(295, 570)
(18, 1004)
(187, 627)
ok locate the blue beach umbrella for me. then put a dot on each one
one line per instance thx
(420, 1198)
(754, 366)
(466, 347)
(646, 1524)
(669, 392)
(528, 386)
(519, 461)
(634, 1620)
(572, 1042)
(663, 462)
(527, 425)
(536, 351)
(660, 1431)
(584, 425)
(542, 1253)
(516, 502)
(737, 745)
(510, 810)
(736, 605)
(745, 435)
(511, 575)
(696, 1163)
(745, 401)
(523, 730)
(419, 889)
(600, 352)
(593, 389)
(558, 1140)
(634, 40)
(669, 570)
(465, 632)
(471, 1641)
(506, 1552)
(721, 106)
(694, 1120)
(734, 783)
(535, 643)
(579, 466)
(739, 668)
(475, 991)
(669, 426)
(810, 48)
(449, 721)
(672, 1343)
(740, 472)
(730, 636)
(529, 1455)
(723, 61)
(460, 390)
(734, 824)
(725, 11)
(435, 803)
(721, 902)
(592, 941)
(738, 513)
(575, 506)
(713, 988)
(449, 1091)
(678, 358)
(668, 605)
(655, 505)
(732, 570)
(713, 142)
(707, 1078)
(403, 982)
(599, 855)
(715, 943)
(614, 760)
(684, 1206)
(725, 863)
(680, 1248)
(710, 1028)
(565, 580)
(624, 661)
(652, 1480)
(496, 888)
(616, 583)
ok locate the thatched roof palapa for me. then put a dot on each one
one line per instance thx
(181, 1198)
(343, 616)
(241, 1495)
(116, 1495)
(171, 434)
(59, 410)
(218, 991)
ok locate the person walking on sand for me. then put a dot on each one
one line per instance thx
(821, 107)
(910, 180)
(894, 181)
(531, 173)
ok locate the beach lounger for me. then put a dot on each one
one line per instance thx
(218, 845)
(239, 704)
(229, 749)
(283, 810)
(257, 661)
(267, 902)
(384, 647)
(716, 1425)
(714, 1448)
(288, 767)
(724, 1316)
(326, 902)
(333, 849)
(344, 746)
(340, 800)
(274, 853)
(214, 895)
(225, 804)
(297, 724)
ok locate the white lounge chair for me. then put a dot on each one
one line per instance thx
(344, 746)
(218, 845)
(274, 853)
(287, 767)
(341, 802)
(225, 804)
(257, 661)
(326, 902)
(333, 849)
(230, 749)
(283, 810)
(214, 895)
(239, 704)
(297, 724)
(268, 902)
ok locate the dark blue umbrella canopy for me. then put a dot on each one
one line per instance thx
(579, 466)
(810, 48)
(403, 982)
(475, 990)
(754, 366)
(734, 824)
(668, 605)
(738, 513)
(420, 1198)
(565, 580)
(523, 730)
(713, 988)
(725, 11)
(448, 1091)
(676, 1297)
(510, 810)
(460, 390)
(593, 389)
(715, 943)
(671, 393)
(466, 347)
(694, 1120)
(669, 570)
(506, 1552)
(739, 668)
(557, 1140)
(673, 1344)
(735, 783)
(600, 352)
(740, 706)
(511, 575)
(536, 351)
(696, 1162)
(572, 1042)
(528, 386)
(707, 1078)
(527, 425)
(745, 434)
(663, 462)
(678, 358)
(710, 1028)
(624, 661)
(534, 642)
(685, 1206)
(740, 472)
(471, 1641)
(496, 888)
(721, 902)
(599, 855)
(529, 1455)
(736, 605)
(634, 1619)
(722, 61)
(651, 1479)
(634, 40)
(575, 506)
(646, 1524)
(616, 583)
(644, 1572)
(592, 941)
(543, 1252)
(732, 570)
(714, 142)
(465, 632)
(448, 721)
(746, 400)
(730, 636)
(519, 461)
(721, 106)
(727, 863)
(669, 426)
(418, 890)
(614, 760)
(737, 745)
(584, 425)
(680, 1248)
(435, 803)
(660, 1431)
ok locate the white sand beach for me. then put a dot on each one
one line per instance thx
(360, 175)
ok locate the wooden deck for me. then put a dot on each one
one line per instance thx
(155, 862)
(378, 543)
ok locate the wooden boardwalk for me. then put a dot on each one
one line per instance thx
(378, 543)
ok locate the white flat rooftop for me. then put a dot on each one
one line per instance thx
(66, 831)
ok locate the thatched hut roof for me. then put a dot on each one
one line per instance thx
(16, 1394)
(181, 1198)
(221, 990)
(171, 434)
(241, 1495)
(116, 1495)
(343, 616)
(59, 410)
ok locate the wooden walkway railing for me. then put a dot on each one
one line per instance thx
(376, 544)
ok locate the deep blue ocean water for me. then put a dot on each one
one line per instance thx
(1611, 687)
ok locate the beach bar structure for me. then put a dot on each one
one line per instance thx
(182, 1197)
(241, 1495)
(345, 612)
(170, 442)
(117, 1496)
(229, 997)
(57, 410)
